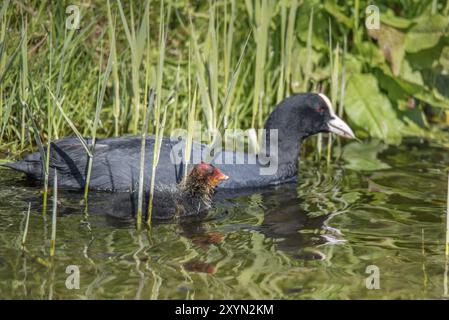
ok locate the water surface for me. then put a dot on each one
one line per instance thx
(378, 205)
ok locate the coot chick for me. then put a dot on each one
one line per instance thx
(192, 196)
(116, 162)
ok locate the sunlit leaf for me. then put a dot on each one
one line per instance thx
(371, 110)
(363, 157)
(426, 33)
(395, 21)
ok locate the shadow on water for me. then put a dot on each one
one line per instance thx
(379, 205)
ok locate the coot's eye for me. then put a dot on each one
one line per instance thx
(319, 109)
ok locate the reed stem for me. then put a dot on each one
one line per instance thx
(99, 105)
(115, 77)
(159, 123)
(447, 221)
(446, 251)
(25, 230)
(142, 159)
(53, 217)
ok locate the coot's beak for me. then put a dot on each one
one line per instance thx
(339, 127)
(335, 124)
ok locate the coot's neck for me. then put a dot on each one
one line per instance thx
(288, 147)
(288, 150)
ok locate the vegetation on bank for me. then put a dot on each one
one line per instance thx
(225, 63)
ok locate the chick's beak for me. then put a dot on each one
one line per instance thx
(221, 177)
(218, 177)
(339, 127)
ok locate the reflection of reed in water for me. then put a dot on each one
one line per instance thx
(446, 251)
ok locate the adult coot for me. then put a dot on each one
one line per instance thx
(116, 160)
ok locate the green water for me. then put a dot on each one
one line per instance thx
(378, 205)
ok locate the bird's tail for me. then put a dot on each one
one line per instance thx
(18, 165)
(31, 165)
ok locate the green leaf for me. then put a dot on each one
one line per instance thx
(444, 59)
(334, 10)
(369, 53)
(426, 33)
(392, 20)
(353, 64)
(427, 58)
(367, 107)
(417, 90)
(363, 157)
(410, 75)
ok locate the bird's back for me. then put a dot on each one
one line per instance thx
(116, 165)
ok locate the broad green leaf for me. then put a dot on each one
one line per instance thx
(410, 75)
(427, 58)
(369, 53)
(367, 107)
(418, 91)
(416, 116)
(426, 33)
(394, 91)
(363, 157)
(353, 64)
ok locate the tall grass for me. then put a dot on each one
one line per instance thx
(115, 76)
(136, 41)
(308, 64)
(201, 77)
(334, 68)
(50, 113)
(149, 100)
(235, 87)
(262, 16)
(98, 107)
(190, 118)
(160, 111)
(288, 15)
(24, 78)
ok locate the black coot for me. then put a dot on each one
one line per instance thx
(116, 160)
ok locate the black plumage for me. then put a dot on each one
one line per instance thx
(116, 160)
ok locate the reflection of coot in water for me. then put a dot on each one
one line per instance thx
(284, 219)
